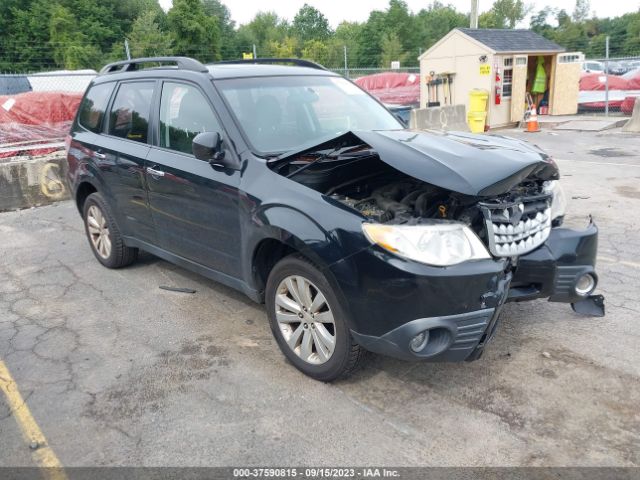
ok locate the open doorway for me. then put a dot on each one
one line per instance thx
(540, 90)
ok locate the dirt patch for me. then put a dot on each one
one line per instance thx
(147, 390)
(627, 191)
(610, 152)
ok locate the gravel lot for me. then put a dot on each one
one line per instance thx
(116, 371)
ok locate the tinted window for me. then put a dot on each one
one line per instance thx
(94, 105)
(129, 116)
(184, 113)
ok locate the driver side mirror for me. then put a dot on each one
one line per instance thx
(207, 146)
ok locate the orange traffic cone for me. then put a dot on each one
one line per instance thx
(532, 122)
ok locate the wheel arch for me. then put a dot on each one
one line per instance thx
(84, 189)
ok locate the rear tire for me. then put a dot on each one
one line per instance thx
(308, 321)
(104, 235)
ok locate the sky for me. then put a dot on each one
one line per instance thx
(242, 11)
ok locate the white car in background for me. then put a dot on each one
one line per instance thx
(592, 67)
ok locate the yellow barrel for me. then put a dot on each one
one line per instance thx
(476, 121)
(478, 100)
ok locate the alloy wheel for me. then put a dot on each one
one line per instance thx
(99, 231)
(305, 319)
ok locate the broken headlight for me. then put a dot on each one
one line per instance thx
(559, 202)
(439, 244)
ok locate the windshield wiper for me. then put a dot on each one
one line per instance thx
(313, 162)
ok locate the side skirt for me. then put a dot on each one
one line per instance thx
(198, 268)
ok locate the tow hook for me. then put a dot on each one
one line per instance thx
(592, 306)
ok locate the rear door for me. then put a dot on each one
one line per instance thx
(194, 205)
(125, 150)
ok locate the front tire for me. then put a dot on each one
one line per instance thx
(309, 322)
(104, 236)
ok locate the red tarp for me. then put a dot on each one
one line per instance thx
(627, 105)
(392, 87)
(596, 81)
(633, 80)
(33, 118)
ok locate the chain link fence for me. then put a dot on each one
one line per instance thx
(609, 85)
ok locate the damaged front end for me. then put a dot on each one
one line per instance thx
(459, 225)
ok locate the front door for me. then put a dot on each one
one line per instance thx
(518, 87)
(194, 205)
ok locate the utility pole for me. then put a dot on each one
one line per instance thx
(346, 71)
(255, 55)
(606, 77)
(474, 14)
(126, 49)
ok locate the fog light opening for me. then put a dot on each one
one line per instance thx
(420, 341)
(585, 284)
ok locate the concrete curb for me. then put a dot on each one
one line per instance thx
(633, 125)
(33, 181)
(446, 118)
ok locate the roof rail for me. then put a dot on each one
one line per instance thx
(299, 62)
(183, 63)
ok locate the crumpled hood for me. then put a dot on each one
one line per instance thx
(477, 165)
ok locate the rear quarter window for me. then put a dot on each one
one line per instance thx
(93, 107)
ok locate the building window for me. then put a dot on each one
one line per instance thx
(507, 77)
(570, 58)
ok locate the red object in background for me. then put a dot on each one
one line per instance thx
(32, 118)
(627, 105)
(595, 82)
(392, 87)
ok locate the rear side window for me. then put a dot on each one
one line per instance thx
(93, 107)
(129, 117)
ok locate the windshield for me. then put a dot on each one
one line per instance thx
(280, 114)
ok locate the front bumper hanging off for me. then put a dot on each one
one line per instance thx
(477, 291)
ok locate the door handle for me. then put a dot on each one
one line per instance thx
(155, 173)
(99, 156)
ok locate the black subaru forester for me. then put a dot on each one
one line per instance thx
(291, 184)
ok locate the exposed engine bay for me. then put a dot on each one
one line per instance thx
(509, 223)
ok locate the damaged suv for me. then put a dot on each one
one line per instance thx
(294, 186)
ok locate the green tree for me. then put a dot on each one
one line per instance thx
(285, 48)
(436, 21)
(70, 47)
(310, 24)
(229, 47)
(316, 51)
(265, 30)
(581, 11)
(391, 50)
(504, 14)
(195, 34)
(146, 39)
(370, 40)
(346, 35)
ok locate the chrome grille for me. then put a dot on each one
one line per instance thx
(517, 227)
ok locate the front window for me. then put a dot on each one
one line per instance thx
(184, 113)
(507, 78)
(280, 114)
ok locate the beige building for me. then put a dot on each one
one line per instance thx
(467, 59)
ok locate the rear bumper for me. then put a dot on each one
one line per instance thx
(392, 300)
